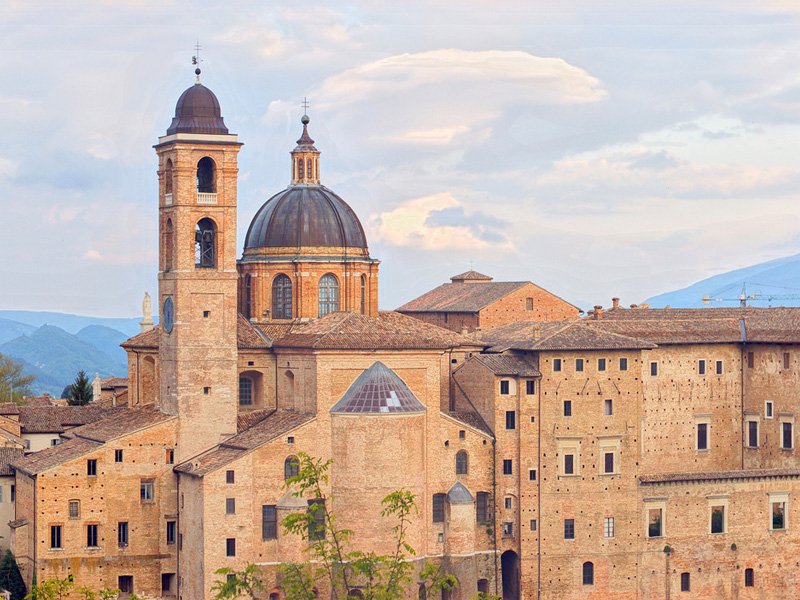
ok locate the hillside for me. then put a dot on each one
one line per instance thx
(773, 283)
(13, 329)
(71, 323)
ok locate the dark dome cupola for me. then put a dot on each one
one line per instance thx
(198, 111)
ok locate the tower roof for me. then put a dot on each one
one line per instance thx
(198, 111)
(378, 390)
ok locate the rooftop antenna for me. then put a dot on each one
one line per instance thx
(196, 60)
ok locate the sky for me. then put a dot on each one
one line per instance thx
(596, 148)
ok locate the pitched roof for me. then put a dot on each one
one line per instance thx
(7, 456)
(273, 426)
(9, 408)
(470, 419)
(246, 420)
(378, 390)
(113, 382)
(717, 475)
(247, 337)
(462, 297)
(352, 331)
(459, 494)
(504, 364)
(471, 276)
(572, 335)
(41, 461)
(57, 419)
(674, 331)
(148, 339)
(120, 421)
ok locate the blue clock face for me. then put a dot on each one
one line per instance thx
(167, 314)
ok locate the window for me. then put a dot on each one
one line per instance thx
(567, 408)
(508, 529)
(245, 391)
(655, 524)
(511, 419)
(316, 529)
(74, 509)
(55, 442)
(623, 364)
(171, 525)
(685, 587)
(787, 439)
(147, 491)
(122, 534)
(532, 474)
(13, 492)
(55, 536)
(569, 529)
(438, 508)
(508, 466)
(363, 294)
(786, 360)
(206, 176)
(653, 369)
(170, 456)
(608, 462)
(230, 547)
(507, 502)
(530, 387)
(462, 463)
(528, 303)
(462, 434)
(588, 573)
(125, 584)
(701, 367)
(118, 456)
(504, 387)
(556, 364)
(204, 245)
(601, 364)
(578, 365)
(750, 360)
(483, 586)
(719, 367)
(482, 512)
(91, 536)
(248, 297)
(230, 506)
(168, 584)
(206, 391)
(168, 245)
(91, 467)
(291, 467)
(533, 524)
(281, 297)
(749, 578)
(768, 409)
(229, 477)
(608, 408)
(269, 522)
(702, 436)
(778, 511)
(328, 294)
(608, 527)
(718, 518)
(752, 434)
(569, 464)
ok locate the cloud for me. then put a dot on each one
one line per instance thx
(8, 167)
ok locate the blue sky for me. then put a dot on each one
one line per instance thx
(597, 149)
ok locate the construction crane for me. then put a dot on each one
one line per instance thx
(744, 297)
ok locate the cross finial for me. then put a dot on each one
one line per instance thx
(196, 60)
(470, 265)
(305, 105)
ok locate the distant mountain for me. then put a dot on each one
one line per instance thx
(772, 283)
(13, 329)
(105, 339)
(71, 323)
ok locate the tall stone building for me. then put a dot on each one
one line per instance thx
(632, 454)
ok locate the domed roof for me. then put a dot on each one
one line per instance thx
(197, 111)
(378, 390)
(305, 216)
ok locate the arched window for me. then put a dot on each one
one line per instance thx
(299, 168)
(206, 176)
(422, 592)
(291, 467)
(168, 177)
(289, 381)
(363, 294)
(169, 243)
(462, 462)
(355, 594)
(310, 169)
(248, 298)
(328, 294)
(245, 391)
(204, 244)
(438, 508)
(588, 573)
(274, 596)
(483, 586)
(281, 297)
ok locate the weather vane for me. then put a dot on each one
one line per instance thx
(196, 60)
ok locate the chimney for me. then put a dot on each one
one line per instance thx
(598, 312)
(537, 333)
(615, 303)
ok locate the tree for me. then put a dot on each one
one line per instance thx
(11, 578)
(14, 385)
(52, 589)
(237, 583)
(80, 391)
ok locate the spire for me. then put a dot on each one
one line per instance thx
(305, 157)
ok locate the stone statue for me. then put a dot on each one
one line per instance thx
(146, 323)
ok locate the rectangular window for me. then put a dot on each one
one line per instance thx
(532, 474)
(749, 580)
(316, 529)
(91, 467)
(569, 529)
(653, 369)
(719, 367)
(533, 524)
(118, 456)
(702, 436)
(556, 364)
(655, 525)
(623, 364)
(13, 492)
(229, 477)
(567, 408)
(55, 536)
(170, 456)
(508, 466)
(230, 547)
(171, 526)
(718, 519)
(786, 360)
(608, 527)
(685, 586)
(608, 408)
(528, 303)
(530, 387)
(508, 529)
(504, 387)
(1, 493)
(608, 462)
(507, 502)
(147, 491)
(91, 536)
(701, 367)
(122, 533)
(578, 365)
(74, 509)
(601, 364)
(768, 409)
(787, 439)
(125, 584)
(482, 513)
(569, 464)
(269, 522)
(751, 360)
(779, 514)
(230, 506)
(511, 419)
(752, 434)
(55, 442)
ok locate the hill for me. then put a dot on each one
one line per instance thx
(71, 323)
(772, 283)
(13, 329)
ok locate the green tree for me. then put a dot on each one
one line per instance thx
(52, 589)
(11, 578)
(236, 584)
(80, 391)
(13, 383)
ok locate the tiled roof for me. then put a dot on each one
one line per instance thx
(470, 419)
(7, 456)
(113, 382)
(273, 426)
(45, 400)
(121, 421)
(675, 331)
(471, 276)
(717, 475)
(276, 330)
(57, 419)
(352, 331)
(378, 390)
(9, 408)
(247, 337)
(53, 456)
(504, 364)
(246, 420)
(148, 339)
(574, 335)
(461, 297)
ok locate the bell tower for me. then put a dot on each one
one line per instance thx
(197, 172)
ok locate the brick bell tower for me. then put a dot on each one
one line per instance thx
(197, 172)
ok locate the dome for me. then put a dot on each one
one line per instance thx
(305, 216)
(198, 111)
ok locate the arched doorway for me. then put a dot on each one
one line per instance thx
(509, 563)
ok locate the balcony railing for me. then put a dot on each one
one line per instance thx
(206, 197)
(168, 199)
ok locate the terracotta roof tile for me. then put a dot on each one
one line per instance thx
(470, 419)
(113, 382)
(471, 276)
(9, 408)
(249, 337)
(41, 461)
(461, 297)
(717, 475)
(573, 335)
(504, 364)
(246, 420)
(148, 339)
(57, 419)
(275, 330)
(8, 456)
(120, 421)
